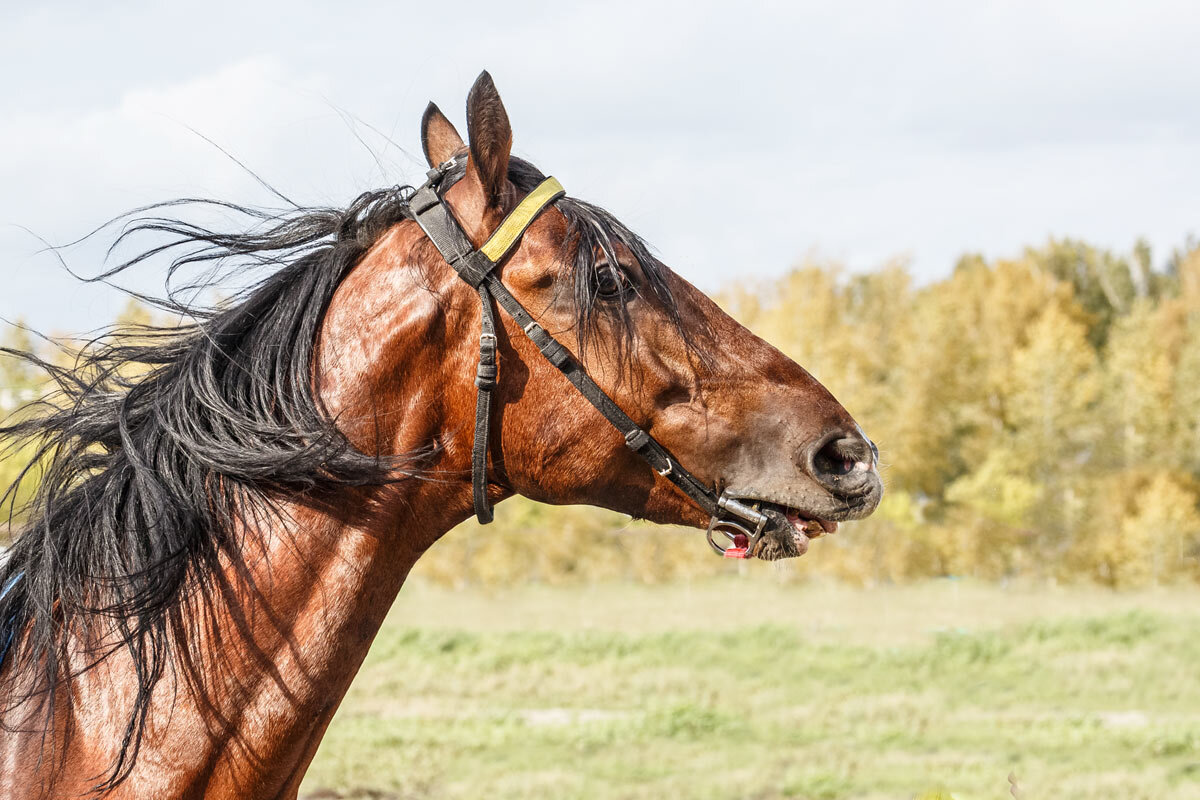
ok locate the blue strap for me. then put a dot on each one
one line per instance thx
(10, 626)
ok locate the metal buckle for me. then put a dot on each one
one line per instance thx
(667, 470)
(531, 327)
(741, 538)
(483, 337)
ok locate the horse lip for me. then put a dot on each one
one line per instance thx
(841, 512)
(859, 486)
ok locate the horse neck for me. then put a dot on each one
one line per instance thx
(298, 621)
(284, 633)
(283, 640)
(290, 631)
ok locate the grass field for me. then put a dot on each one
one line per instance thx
(744, 688)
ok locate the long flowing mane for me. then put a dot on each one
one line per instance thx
(159, 441)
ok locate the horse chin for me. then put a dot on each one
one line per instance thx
(786, 535)
(780, 542)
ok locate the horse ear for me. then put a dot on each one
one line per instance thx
(490, 136)
(439, 139)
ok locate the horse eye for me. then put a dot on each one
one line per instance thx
(611, 282)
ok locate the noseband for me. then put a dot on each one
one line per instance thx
(741, 525)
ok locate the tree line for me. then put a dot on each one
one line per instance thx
(1037, 417)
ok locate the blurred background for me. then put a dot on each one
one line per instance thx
(976, 224)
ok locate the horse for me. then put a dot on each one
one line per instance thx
(228, 508)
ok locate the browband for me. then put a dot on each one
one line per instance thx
(520, 218)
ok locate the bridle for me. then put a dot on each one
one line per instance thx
(742, 525)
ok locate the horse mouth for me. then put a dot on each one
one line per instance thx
(789, 530)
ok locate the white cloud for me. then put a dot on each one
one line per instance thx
(68, 171)
(143, 143)
(734, 137)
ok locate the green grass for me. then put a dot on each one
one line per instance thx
(744, 688)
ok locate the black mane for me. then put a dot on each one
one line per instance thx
(159, 440)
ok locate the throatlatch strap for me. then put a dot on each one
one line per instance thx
(485, 382)
(476, 268)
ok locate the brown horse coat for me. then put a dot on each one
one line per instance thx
(278, 623)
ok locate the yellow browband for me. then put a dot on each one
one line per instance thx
(514, 224)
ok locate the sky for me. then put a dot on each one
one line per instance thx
(738, 138)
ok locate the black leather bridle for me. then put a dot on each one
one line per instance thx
(742, 525)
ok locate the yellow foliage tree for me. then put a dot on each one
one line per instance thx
(1054, 386)
(1146, 529)
(1141, 361)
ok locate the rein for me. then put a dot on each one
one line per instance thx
(741, 525)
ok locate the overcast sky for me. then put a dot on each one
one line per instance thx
(736, 137)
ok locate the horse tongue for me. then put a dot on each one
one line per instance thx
(812, 528)
(800, 524)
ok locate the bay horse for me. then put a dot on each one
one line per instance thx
(226, 510)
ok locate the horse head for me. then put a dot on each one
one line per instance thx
(733, 410)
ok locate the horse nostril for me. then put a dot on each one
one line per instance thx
(841, 456)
